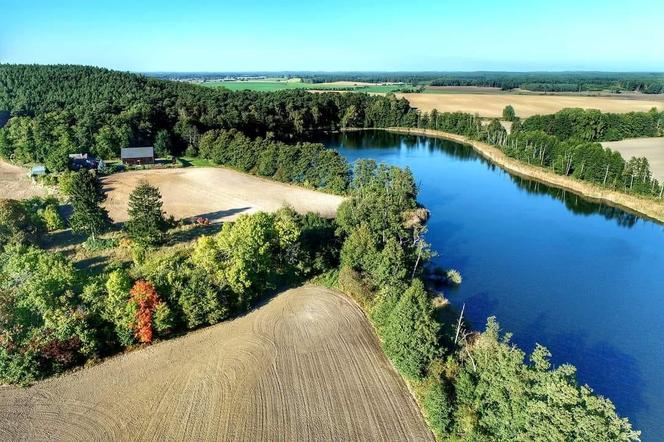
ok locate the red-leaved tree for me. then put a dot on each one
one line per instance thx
(144, 295)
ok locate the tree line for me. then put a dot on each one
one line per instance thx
(645, 82)
(306, 164)
(567, 143)
(648, 83)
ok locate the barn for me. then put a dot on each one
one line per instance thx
(137, 155)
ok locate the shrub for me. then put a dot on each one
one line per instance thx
(437, 407)
(410, 336)
(454, 277)
(145, 297)
(52, 218)
(351, 283)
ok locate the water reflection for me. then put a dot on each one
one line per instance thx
(377, 139)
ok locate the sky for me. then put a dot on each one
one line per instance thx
(406, 35)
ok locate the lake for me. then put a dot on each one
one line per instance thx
(586, 280)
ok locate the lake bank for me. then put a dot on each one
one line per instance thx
(649, 208)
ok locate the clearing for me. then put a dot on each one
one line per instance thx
(304, 366)
(492, 105)
(651, 148)
(15, 184)
(215, 193)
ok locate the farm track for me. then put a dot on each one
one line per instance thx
(304, 366)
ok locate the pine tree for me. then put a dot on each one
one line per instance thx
(86, 195)
(146, 219)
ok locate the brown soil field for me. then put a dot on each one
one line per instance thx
(651, 148)
(304, 366)
(215, 193)
(15, 184)
(491, 105)
(648, 207)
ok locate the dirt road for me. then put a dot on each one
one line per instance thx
(305, 366)
(492, 105)
(215, 193)
(15, 184)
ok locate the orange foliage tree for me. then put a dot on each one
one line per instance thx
(144, 295)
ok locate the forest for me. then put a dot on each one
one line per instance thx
(57, 110)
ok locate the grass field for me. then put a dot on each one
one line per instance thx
(492, 104)
(215, 193)
(305, 366)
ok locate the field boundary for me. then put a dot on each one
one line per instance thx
(645, 207)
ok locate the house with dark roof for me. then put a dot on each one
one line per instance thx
(78, 161)
(137, 155)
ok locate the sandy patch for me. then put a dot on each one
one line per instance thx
(15, 184)
(215, 193)
(305, 366)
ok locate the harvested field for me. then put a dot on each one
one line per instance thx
(651, 148)
(305, 366)
(15, 184)
(491, 105)
(215, 193)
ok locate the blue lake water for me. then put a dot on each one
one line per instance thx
(584, 279)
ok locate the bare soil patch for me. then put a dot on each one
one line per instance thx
(492, 105)
(15, 184)
(305, 366)
(215, 193)
(651, 148)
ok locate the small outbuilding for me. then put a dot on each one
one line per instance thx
(137, 155)
(37, 170)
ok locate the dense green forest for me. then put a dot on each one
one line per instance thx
(57, 110)
(645, 82)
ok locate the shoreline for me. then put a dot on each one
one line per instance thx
(644, 207)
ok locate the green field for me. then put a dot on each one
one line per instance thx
(278, 85)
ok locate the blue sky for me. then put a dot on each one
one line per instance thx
(333, 36)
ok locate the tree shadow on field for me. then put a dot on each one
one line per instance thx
(215, 217)
(191, 233)
(94, 264)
